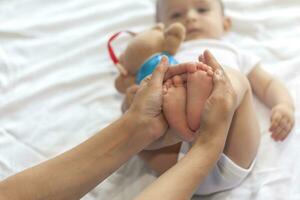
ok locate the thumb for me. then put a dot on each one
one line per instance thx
(219, 82)
(132, 89)
(210, 60)
(223, 91)
(158, 75)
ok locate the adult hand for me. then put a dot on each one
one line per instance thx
(179, 69)
(129, 96)
(182, 179)
(182, 69)
(219, 107)
(221, 104)
(148, 99)
(146, 107)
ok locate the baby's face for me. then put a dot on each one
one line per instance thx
(201, 18)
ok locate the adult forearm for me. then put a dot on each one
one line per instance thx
(76, 172)
(180, 181)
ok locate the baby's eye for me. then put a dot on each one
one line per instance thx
(202, 10)
(176, 15)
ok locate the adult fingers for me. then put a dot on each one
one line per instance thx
(158, 75)
(211, 61)
(221, 85)
(146, 81)
(219, 82)
(223, 93)
(132, 89)
(181, 68)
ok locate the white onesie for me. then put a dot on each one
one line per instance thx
(226, 174)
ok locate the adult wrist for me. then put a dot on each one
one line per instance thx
(214, 134)
(138, 126)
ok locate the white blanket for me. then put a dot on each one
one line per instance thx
(57, 85)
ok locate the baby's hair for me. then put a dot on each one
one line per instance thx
(157, 8)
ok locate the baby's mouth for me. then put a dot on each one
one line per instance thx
(193, 31)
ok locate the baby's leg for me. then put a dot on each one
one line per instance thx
(160, 160)
(244, 134)
(174, 107)
(199, 87)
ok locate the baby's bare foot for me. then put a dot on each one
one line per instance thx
(174, 107)
(199, 87)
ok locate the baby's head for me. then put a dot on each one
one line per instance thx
(201, 18)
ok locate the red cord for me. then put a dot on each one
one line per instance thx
(112, 54)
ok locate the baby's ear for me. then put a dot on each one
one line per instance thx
(174, 36)
(227, 24)
(123, 82)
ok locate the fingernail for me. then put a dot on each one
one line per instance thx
(210, 72)
(164, 60)
(164, 89)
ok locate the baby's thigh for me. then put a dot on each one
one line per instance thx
(160, 160)
(244, 134)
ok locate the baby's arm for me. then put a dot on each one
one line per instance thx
(275, 95)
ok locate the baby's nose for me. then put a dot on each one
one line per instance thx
(191, 16)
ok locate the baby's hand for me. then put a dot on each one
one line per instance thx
(282, 121)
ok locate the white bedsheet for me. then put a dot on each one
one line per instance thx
(57, 85)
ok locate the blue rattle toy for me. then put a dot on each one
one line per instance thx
(149, 65)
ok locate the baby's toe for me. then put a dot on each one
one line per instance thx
(177, 80)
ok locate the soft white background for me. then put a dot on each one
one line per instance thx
(57, 84)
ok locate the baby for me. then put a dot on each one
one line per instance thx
(205, 23)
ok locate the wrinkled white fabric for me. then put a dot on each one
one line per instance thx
(225, 175)
(227, 54)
